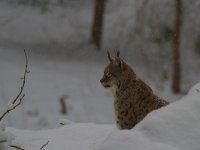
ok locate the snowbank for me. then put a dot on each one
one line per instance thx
(82, 136)
(174, 127)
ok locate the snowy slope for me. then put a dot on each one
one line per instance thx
(63, 62)
(174, 127)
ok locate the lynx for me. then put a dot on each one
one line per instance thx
(133, 98)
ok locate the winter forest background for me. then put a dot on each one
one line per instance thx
(66, 42)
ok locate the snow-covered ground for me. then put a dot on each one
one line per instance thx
(50, 79)
(62, 62)
(46, 83)
(174, 127)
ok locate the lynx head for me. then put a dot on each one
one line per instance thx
(116, 73)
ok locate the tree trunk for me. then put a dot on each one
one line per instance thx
(176, 78)
(63, 104)
(97, 26)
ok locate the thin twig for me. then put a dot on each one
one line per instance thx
(3, 141)
(17, 147)
(24, 79)
(20, 96)
(44, 145)
(12, 108)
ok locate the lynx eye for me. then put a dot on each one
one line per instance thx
(108, 74)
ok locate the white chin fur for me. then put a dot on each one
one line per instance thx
(113, 89)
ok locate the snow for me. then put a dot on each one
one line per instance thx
(47, 82)
(85, 136)
(22, 25)
(5, 138)
(195, 89)
(63, 62)
(65, 122)
(174, 127)
(51, 78)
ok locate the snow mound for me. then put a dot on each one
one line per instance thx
(174, 127)
(195, 89)
(177, 126)
(5, 138)
(77, 136)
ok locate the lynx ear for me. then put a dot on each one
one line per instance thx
(119, 63)
(109, 57)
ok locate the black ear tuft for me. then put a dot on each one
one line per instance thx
(118, 53)
(109, 58)
(108, 54)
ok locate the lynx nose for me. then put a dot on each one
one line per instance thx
(101, 80)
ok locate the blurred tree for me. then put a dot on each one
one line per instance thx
(63, 104)
(197, 44)
(176, 77)
(96, 36)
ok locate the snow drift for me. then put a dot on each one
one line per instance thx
(174, 127)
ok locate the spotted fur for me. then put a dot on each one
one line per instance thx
(133, 98)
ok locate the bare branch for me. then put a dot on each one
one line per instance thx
(44, 145)
(17, 147)
(12, 108)
(24, 79)
(20, 96)
(3, 141)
